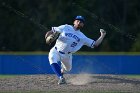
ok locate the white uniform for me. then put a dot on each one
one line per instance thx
(68, 42)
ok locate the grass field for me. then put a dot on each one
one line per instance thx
(127, 76)
(132, 76)
(7, 76)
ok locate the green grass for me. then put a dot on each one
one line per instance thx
(127, 76)
(133, 76)
(7, 76)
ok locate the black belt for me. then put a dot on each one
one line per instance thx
(62, 52)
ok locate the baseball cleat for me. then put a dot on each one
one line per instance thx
(61, 81)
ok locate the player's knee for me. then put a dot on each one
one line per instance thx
(68, 68)
(52, 60)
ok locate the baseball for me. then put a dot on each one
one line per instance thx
(102, 30)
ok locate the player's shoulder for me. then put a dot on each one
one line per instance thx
(65, 26)
(68, 26)
(82, 34)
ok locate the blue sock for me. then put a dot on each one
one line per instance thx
(56, 68)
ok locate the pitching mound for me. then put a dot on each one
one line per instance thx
(76, 83)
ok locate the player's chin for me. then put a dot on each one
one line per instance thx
(80, 27)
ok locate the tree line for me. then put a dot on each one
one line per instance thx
(120, 19)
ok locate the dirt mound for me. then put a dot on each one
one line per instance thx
(81, 79)
(75, 83)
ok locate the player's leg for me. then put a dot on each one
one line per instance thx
(66, 63)
(53, 59)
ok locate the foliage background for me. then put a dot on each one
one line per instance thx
(19, 34)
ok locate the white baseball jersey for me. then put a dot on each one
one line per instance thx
(71, 40)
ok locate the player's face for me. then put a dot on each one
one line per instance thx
(78, 24)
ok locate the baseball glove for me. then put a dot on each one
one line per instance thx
(51, 38)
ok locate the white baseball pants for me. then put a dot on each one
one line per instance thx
(66, 59)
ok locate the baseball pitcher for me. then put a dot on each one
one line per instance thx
(70, 40)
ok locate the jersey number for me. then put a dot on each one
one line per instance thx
(73, 44)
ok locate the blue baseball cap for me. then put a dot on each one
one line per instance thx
(81, 18)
